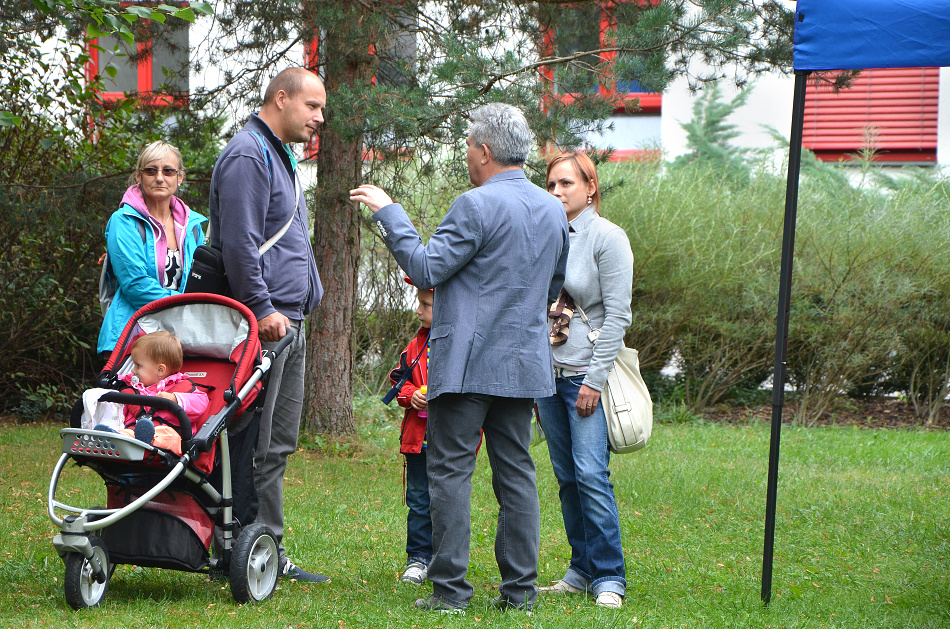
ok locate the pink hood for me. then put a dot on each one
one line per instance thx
(180, 213)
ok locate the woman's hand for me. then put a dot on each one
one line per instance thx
(587, 400)
(418, 400)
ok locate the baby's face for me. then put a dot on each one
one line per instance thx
(147, 370)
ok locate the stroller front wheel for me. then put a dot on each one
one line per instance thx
(81, 587)
(254, 564)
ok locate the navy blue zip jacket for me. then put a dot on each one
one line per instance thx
(252, 197)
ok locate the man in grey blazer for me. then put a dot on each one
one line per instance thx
(496, 261)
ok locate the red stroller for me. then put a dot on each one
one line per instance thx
(162, 507)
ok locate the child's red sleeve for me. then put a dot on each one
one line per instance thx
(405, 393)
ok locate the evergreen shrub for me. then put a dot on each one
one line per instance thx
(870, 292)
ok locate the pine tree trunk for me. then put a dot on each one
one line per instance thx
(328, 407)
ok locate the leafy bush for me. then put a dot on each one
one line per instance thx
(869, 296)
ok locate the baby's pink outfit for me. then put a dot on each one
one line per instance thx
(194, 403)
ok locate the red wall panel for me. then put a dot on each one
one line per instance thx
(896, 107)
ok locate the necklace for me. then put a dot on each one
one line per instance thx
(168, 226)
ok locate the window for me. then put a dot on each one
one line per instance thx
(155, 68)
(589, 27)
(397, 54)
(893, 111)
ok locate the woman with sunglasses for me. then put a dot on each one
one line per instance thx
(150, 239)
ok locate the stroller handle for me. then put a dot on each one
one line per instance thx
(216, 423)
(282, 344)
(184, 424)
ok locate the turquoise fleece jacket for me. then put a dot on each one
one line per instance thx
(138, 265)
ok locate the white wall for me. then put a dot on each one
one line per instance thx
(943, 119)
(630, 131)
(768, 104)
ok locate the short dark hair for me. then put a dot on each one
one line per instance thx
(290, 80)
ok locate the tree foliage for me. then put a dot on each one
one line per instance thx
(403, 129)
(709, 136)
(401, 77)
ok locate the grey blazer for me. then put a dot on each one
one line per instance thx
(496, 262)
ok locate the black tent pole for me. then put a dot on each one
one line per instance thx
(781, 326)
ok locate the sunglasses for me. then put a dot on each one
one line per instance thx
(168, 171)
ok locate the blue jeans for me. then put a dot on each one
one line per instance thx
(579, 455)
(418, 522)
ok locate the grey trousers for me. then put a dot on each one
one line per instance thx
(454, 427)
(280, 425)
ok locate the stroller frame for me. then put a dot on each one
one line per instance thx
(250, 562)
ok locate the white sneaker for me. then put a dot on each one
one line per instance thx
(415, 573)
(561, 587)
(609, 599)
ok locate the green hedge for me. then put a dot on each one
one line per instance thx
(870, 310)
(870, 294)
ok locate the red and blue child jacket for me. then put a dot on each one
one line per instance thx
(413, 432)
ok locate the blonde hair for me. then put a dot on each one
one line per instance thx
(584, 166)
(151, 152)
(162, 348)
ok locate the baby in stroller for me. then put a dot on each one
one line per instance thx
(156, 365)
(166, 509)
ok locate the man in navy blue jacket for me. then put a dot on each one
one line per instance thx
(496, 261)
(255, 192)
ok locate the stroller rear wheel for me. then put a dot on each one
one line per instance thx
(254, 564)
(81, 587)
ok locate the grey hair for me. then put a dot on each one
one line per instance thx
(153, 151)
(504, 129)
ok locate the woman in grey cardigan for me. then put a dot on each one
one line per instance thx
(598, 280)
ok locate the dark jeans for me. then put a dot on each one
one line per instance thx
(455, 424)
(418, 522)
(580, 457)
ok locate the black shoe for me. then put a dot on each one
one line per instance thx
(144, 430)
(290, 571)
(503, 603)
(436, 604)
(104, 428)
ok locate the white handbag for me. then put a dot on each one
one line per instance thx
(627, 404)
(626, 400)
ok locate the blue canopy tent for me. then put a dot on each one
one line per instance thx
(839, 35)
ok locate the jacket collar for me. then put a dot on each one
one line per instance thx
(255, 123)
(506, 175)
(134, 199)
(583, 220)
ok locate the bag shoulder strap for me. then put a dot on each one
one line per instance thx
(283, 230)
(107, 279)
(583, 315)
(405, 377)
(270, 242)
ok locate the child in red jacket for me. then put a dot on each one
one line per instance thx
(415, 359)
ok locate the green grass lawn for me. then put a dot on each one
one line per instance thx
(861, 538)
